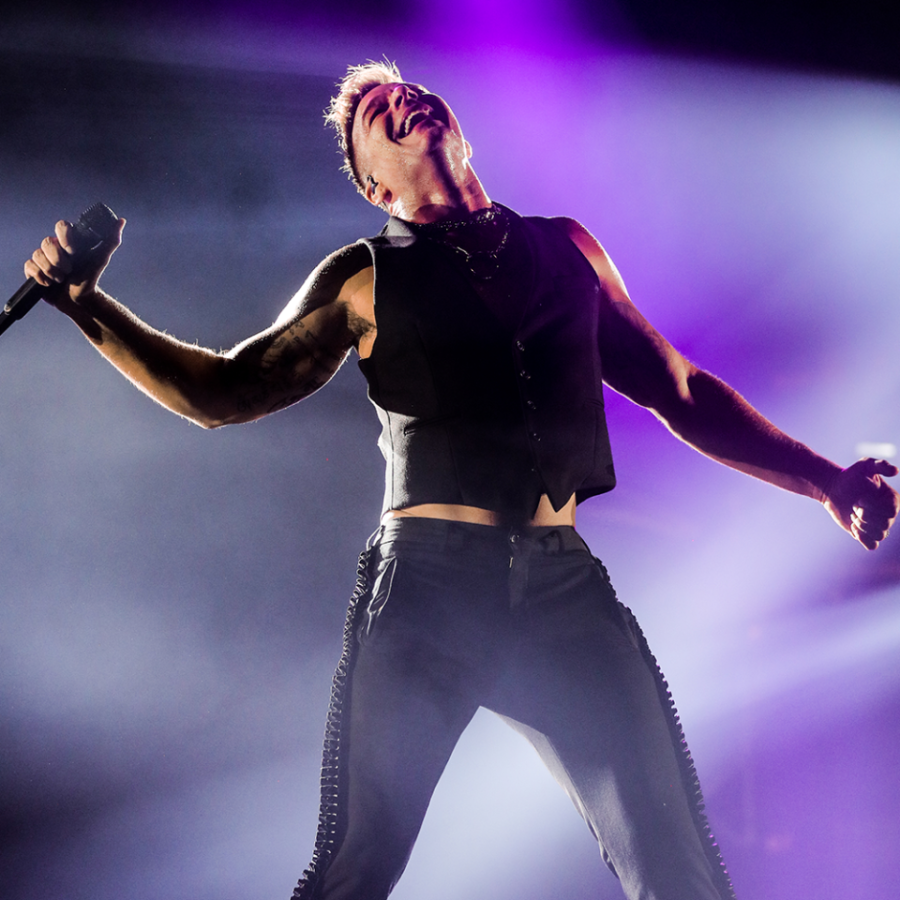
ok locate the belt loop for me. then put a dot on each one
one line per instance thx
(552, 542)
(375, 537)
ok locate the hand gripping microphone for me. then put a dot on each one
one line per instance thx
(96, 225)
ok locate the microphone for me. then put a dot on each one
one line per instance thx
(96, 225)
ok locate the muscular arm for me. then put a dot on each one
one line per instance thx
(279, 366)
(713, 418)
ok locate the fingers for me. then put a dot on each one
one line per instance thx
(98, 259)
(112, 244)
(868, 527)
(876, 505)
(864, 503)
(869, 467)
(51, 263)
(64, 231)
(883, 467)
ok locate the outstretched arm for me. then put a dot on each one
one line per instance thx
(713, 418)
(279, 366)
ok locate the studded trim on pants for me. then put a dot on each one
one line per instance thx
(333, 826)
(331, 810)
(689, 776)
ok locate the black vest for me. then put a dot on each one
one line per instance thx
(475, 412)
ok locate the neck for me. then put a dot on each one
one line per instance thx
(441, 200)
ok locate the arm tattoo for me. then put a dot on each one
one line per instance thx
(296, 357)
(291, 366)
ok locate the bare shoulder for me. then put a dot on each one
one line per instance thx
(323, 318)
(332, 283)
(596, 255)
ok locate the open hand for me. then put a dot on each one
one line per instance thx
(862, 502)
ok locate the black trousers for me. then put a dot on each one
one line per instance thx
(450, 616)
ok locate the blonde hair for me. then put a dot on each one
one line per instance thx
(358, 81)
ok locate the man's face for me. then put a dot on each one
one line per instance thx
(398, 125)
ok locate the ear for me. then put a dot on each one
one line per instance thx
(374, 191)
(377, 194)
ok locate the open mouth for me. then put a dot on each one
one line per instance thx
(413, 119)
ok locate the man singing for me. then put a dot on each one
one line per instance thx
(485, 338)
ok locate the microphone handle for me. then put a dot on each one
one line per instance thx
(21, 302)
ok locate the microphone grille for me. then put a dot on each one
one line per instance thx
(96, 224)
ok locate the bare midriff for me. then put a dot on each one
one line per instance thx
(545, 514)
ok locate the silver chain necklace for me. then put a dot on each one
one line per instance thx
(483, 264)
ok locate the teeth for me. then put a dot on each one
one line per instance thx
(404, 125)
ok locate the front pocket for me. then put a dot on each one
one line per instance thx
(416, 424)
(381, 592)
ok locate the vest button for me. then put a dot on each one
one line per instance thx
(520, 345)
(535, 436)
(524, 374)
(531, 404)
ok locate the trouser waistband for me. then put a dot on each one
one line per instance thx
(523, 546)
(446, 534)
